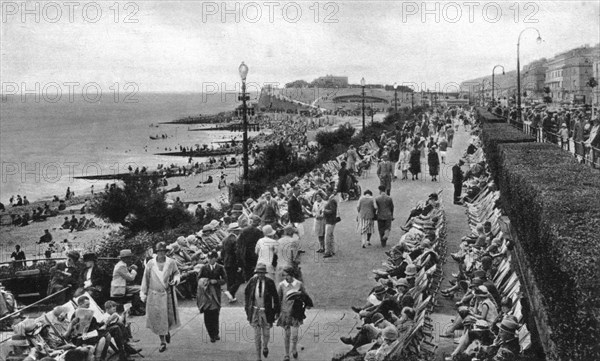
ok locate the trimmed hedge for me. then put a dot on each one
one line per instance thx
(554, 204)
(494, 134)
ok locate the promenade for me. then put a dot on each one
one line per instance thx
(335, 284)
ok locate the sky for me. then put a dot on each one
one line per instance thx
(191, 46)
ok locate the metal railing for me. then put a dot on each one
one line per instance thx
(584, 154)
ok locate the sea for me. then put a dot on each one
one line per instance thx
(45, 144)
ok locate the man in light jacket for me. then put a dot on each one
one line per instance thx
(123, 273)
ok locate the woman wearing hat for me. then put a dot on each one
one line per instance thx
(433, 162)
(415, 163)
(485, 309)
(64, 275)
(294, 300)
(91, 279)
(319, 227)
(403, 161)
(161, 276)
(365, 218)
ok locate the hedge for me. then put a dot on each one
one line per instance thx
(484, 116)
(494, 134)
(554, 204)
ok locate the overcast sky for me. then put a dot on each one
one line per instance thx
(175, 46)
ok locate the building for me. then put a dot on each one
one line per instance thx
(568, 73)
(331, 81)
(533, 79)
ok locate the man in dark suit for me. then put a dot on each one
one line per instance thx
(457, 180)
(296, 214)
(385, 214)
(210, 279)
(262, 308)
(245, 246)
(233, 268)
(91, 279)
(64, 274)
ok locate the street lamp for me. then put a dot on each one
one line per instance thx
(494, 69)
(396, 97)
(362, 83)
(243, 69)
(539, 40)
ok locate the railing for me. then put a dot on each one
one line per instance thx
(584, 154)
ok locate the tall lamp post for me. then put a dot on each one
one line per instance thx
(362, 84)
(396, 97)
(539, 40)
(243, 69)
(494, 69)
(412, 100)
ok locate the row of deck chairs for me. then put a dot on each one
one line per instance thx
(482, 209)
(309, 189)
(420, 342)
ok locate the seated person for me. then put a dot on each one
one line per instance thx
(368, 332)
(185, 266)
(46, 237)
(121, 285)
(91, 279)
(374, 299)
(484, 308)
(74, 222)
(65, 275)
(85, 330)
(389, 341)
(423, 209)
(405, 323)
(208, 180)
(66, 224)
(118, 329)
(472, 340)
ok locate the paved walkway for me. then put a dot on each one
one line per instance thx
(334, 284)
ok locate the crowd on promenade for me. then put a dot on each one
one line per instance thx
(259, 243)
(565, 124)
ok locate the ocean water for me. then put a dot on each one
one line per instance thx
(43, 145)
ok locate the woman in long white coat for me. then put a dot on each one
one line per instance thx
(161, 276)
(403, 161)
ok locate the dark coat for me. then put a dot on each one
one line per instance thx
(98, 278)
(457, 174)
(295, 212)
(415, 162)
(229, 252)
(245, 247)
(385, 207)
(217, 274)
(272, 302)
(301, 302)
(434, 163)
(330, 211)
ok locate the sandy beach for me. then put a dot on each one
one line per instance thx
(192, 192)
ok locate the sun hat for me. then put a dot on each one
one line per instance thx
(234, 226)
(411, 270)
(476, 282)
(426, 243)
(260, 268)
(509, 325)
(214, 223)
(180, 239)
(74, 255)
(90, 257)
(174, 246)
(379, 289)
(390, 333)
(401, 282)
(268, 230)
(161, 246)
(208, 228)
(482, 324)
(481, 291)
(376, 318)
(189, 239)
(125, 253)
